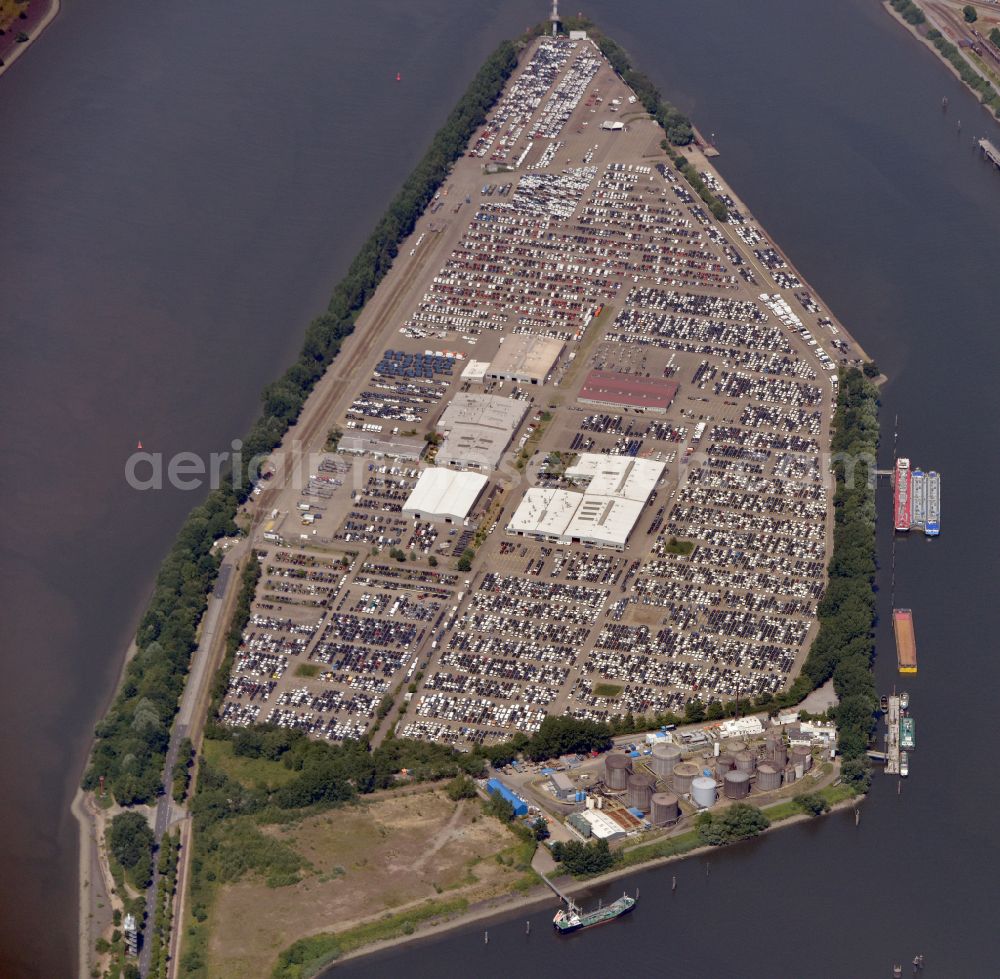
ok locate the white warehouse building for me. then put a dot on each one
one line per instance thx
(604, 514)
(444, 495)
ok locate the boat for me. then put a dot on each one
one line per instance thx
(907, 733)
(904, 764)
(904, 701)
(933, 525)
(884, 704)
(573, 919)
(906, 642)
(901, 495)
(918, 498)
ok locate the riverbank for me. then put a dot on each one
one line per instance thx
(921, 33)
(40, 14)
(542, 895)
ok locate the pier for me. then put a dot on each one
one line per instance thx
(562, 897)
(990, 151)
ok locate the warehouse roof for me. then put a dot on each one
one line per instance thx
(444, 494)
(627, 390)
(620, 476)
(526, 356)
(475, 370)
(490, 410)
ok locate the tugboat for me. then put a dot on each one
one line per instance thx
(573, 919)
(904, 701)
(904, 764)
(884, 704)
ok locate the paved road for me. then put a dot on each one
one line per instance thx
(198, 679)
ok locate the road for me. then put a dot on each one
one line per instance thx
(195, 690)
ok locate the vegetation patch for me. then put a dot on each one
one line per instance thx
(608, 690)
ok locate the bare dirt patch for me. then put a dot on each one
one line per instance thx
(369, 859)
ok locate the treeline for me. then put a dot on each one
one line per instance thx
(909, 11)
(556, 736)
(988, 95)
(131, 741)
(676, 125)
(688, 172)
(739, 821)
(844, 648)
(585, 859)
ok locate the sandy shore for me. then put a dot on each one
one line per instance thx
(34, 28)
(541, 895)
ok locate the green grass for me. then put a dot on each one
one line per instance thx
(608, 690)
(672, 846)
(682, 547)
(308, 956)
(307, 669)
(249, 771)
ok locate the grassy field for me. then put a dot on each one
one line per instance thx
(365, 864)
(249, 771)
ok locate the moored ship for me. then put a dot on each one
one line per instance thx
(906, 642)
(901, 495)
(907, 733)
(573, 919)
(918, 498)
(933, 525)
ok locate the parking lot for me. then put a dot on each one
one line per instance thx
(586, 235)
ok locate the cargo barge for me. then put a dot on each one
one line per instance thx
(933, 525)
(907, 733)
(901, 495)
(906, 643)
(573, 919)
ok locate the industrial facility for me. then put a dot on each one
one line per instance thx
(617, 488)
(478, 429)
(397, 447)
(444, 495)
(611, 389)
(525, 357)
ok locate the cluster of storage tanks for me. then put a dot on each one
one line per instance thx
(738, 769)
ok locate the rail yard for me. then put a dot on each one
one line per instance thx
(630, 402)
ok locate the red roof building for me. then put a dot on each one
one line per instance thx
(614, 390)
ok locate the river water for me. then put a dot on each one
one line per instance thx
(181, 188)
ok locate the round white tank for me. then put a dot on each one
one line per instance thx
(703, 791)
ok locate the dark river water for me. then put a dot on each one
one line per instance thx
(181, 187)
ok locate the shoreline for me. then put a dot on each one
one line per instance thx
(887, 7)
(500, 907)
(15, 52)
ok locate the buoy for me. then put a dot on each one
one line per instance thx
(139, 446)
(399, 77)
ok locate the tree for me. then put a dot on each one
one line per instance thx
(460, 787)
(871, 369)
(812, 803)
(584, 858)
(969, 13)
(464, 564)
(694, 711)
(500, 808)
(540, 829)
(131, 843)
(739, 822)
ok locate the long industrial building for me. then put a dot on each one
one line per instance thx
(444, 495)
(479, 428)
(604, 514)
(612, 389)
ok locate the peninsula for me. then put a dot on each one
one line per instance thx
(543, 519)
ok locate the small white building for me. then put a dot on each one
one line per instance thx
(741, 727)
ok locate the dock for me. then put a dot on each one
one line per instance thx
(892, 737)
(570, 903)
(990, 151)
(906, 642)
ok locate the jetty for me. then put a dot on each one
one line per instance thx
(990, 151)
(892, 737)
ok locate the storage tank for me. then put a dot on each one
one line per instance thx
(617, 768)
(789, 775)
(703, 791)
(768, 777)
(746, 761)
(724, 763)
(684, 774)
(802, 755)
(736, 784)
(778, 753)
(640, 791)
(663, 759)
(665, 809)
